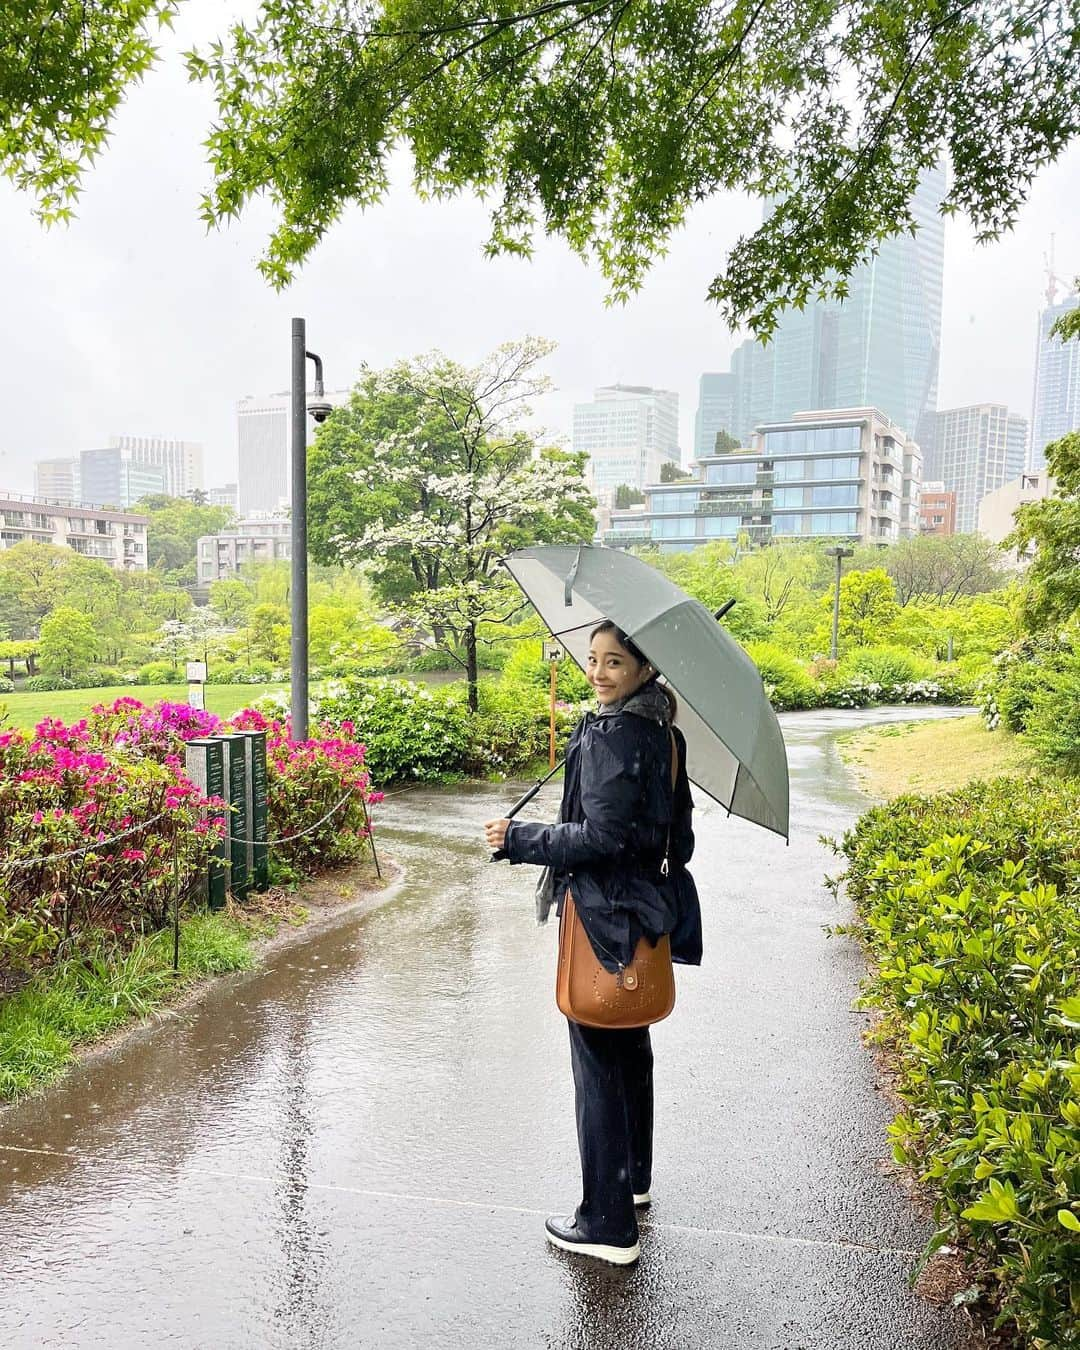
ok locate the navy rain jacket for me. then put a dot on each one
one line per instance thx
(616, 807)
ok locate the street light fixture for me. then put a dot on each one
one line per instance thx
(320, 410)
(839, 553)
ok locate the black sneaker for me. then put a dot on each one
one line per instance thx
(565, 1234)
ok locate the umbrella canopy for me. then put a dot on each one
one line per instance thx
(734, 747)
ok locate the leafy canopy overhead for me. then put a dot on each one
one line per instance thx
(600, 121)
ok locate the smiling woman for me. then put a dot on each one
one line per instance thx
(619, 852)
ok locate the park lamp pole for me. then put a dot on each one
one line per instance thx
(298, 591)
(839, 553)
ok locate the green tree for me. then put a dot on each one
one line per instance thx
(670, 472)
(230, 599)
(67, 643)
(175, 526)
(1052, 528)
(267, 633)
(943, 567)
(625, 495)
(725, 443)
(707, 574)
(868, 609)
(430, 477)
(598, 122)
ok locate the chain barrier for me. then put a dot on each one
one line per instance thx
(288, 838)
(18, 863)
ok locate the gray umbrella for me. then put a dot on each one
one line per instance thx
(734, 748)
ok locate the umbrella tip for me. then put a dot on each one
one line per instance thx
(728, 604)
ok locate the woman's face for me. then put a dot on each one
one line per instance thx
(611, 670)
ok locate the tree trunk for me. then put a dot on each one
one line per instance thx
(472, 671)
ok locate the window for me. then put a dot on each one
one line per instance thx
(730, 473)
(789, 469)
(724, 527)
(787, 525)
(662, 502)
(835, 522)
(783, 498)
(841, 494)
(836, 468)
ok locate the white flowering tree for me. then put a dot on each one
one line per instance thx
(431, 477)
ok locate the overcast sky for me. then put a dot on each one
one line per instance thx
(135, 321)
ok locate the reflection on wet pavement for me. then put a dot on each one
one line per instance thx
(356, 1144)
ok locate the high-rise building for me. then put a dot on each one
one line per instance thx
(628, 431)
(715, 411)
(182, 461)
(879, 348)
(847, 473)
(113, 477)
(1056, 407)
(57, 480)
(979, 448)
(264, 429)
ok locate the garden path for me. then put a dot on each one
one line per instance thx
(356, 1145)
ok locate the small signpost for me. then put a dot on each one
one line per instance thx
(553, 654)
(196, 684)
(205, 766)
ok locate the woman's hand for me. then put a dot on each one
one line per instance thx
(495, 833)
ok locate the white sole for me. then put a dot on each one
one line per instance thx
(615, 1256)
(644, 1199)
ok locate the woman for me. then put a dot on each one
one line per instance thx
(618, 822)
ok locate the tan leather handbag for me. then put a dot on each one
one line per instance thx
(637, 995)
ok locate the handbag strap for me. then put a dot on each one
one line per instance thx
(665, 866)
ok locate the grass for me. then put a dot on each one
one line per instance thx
(933, 756)
(27, 710)
(83, 999)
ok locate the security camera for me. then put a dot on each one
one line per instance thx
(319, 410)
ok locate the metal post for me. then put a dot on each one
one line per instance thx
(298, 646)
(836, 610)
(551, 732)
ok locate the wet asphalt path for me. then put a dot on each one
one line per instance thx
(356, 1145)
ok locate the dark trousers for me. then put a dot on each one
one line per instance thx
(613, 1090)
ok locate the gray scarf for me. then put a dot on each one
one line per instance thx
(649, 701)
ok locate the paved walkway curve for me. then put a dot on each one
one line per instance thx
(355, 1146)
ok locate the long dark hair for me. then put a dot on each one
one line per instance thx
(632, 649)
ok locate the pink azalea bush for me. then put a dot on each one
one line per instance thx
(121, 771)
(60, 794)
(317, 790)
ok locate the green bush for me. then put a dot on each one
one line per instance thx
(159, 672)
(967, 903)
(253, 672)
(889, 667)
(788, 683)
(411, 732)
(47, 684)
(6, 686)
(99, 677)
(1053, 718)
(512, 728)
(526, 666)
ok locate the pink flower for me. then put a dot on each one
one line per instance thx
(133, 855)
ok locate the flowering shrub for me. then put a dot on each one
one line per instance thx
(317, 791)
(59, 793)
(512, 728)
(70, 788)
(410, 731)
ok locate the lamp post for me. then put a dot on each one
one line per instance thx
(298, 597)
(839, 553)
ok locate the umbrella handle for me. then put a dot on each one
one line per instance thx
(524, 801)
(728, 604)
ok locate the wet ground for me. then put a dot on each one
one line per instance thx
(356, 1145)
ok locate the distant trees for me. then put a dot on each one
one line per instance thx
(725, 443)
(175, 526)
(943, 567)
(670, 472)
(626, 496)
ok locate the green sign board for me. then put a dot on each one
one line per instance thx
(236, 777)
(258, 829)
(205, 766)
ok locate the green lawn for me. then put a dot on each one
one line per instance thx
(26, 710)
(931, 756)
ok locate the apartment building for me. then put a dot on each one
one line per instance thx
(847, 473)
(114, 537)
